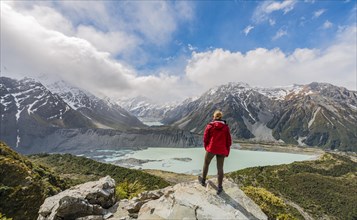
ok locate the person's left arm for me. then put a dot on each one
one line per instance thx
(207, 136)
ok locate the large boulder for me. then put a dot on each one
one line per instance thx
(91, 200)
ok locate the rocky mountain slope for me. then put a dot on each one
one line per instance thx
(316, 114)
(77, 141)
(28, 109)
(59, 117)
(103, 113)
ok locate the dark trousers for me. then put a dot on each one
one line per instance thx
(220, 162)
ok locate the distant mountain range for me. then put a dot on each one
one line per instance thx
(145, 108)
(317, 114)
(60, 117)
(33, 115)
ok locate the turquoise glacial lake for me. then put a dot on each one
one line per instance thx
(190, 160)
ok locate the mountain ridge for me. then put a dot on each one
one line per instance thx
(317, 114)
(34, 119)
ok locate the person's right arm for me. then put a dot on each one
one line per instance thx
(229, 140)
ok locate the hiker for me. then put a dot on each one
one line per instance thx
(217, 142)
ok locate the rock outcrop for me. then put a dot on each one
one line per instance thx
(91, 200)
(188, 200)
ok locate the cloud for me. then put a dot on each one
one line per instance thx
(248, 29)
(272, 22)
(81, 54)
(114, 42)
(327, 24)
(318, 13)
(124, 29)
(262, 67)
(264, 9)
(191, 48)
(280, 33)
(42, 51)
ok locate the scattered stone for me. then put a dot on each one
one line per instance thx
(91, 217)
(132, 162)
(184, 159)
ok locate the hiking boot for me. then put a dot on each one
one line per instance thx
(202, 181)
(219, 190)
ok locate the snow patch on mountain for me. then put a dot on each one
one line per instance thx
(301, 140)
(314, 116)
(72, 95)
(279, 93)
(148, 111)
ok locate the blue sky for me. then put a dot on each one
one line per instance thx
(179, 48)
(222, 24)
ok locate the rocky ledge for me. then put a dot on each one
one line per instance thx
(189, 200)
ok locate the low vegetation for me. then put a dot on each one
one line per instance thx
(24, 185)
(27, 181)
(321, 189)
(127, 190)
(324, 188)
(76, 170)
(271, 205)
(3, 217)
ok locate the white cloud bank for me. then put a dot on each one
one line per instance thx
(29, 48)
(268, 68)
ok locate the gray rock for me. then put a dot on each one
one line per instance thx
(95, 200)
(91, 217)
(88, 199)
(192, 201)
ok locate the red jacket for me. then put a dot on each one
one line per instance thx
(217, 138)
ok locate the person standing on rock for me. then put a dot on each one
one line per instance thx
(217, 142)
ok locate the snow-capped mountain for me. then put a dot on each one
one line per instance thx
(314, 114)
(146, 109)
(28, 109)
(102, 112)
(67, 117)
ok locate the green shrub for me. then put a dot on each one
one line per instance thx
(128, 190)
(273, 206)
(3, 217)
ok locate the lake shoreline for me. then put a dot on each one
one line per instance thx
(293, 149)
